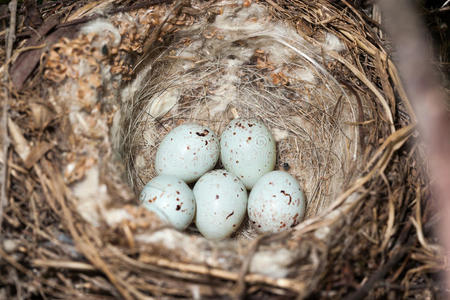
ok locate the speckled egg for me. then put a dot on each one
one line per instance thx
(171, 199)
(247, 150)
(276, 202)
(187, 152)
(221, 204)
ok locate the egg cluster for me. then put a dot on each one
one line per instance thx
(218, 201)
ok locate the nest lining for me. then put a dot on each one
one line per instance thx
(242, 63)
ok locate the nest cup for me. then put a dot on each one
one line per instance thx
(244, 63)
(318, 78)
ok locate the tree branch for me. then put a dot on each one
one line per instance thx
(4, 125)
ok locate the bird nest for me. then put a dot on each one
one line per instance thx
(113, 79)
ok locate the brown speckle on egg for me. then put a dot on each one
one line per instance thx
(288, 195)
(203, 133)
(232, 213)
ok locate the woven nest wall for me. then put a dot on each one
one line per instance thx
(111, 79)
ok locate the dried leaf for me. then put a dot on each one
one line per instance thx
(41, 115)
(36, 153)
(20, 143)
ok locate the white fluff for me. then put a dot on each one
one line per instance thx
(333, 43)
(116, 216)
(102, 28)
(162, 104)
(272, 263)
(92, 196)
(280, 134)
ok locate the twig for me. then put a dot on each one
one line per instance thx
(369, 84)
(362, 131)
(282, 283)
(112, 12)
(70, 265)
(13, 262)
(9, 45)
(25, 49)
(12, 31)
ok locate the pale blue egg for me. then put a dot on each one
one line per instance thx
(247, 149)
(221, 204)
(187, 152)
(276, 202)
(171, 199)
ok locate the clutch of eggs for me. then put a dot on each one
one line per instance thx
(219, 201)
